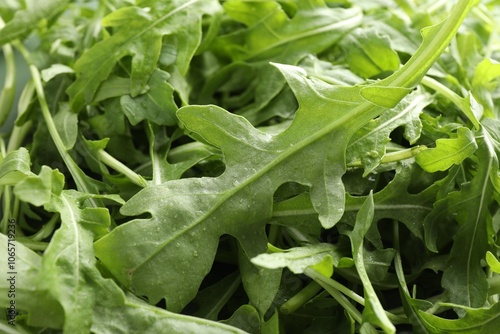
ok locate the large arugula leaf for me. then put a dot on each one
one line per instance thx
(139, 28)
(63, 289)
(179, 239)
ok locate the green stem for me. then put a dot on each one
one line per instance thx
(112, 162)
(302, 297)
(19, 132)
(450, 95)
(339, 297)
(394, 156)
(9, 89)
(33, 244)
(76, 173)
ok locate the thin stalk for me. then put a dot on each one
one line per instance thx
(339, 297)
(118, 166)
(450, 95)
(9, 88)
(33, 244)
(394, 156)
(76, 173)
(19, 133)
(302, 297)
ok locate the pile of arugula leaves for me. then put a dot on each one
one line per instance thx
(287, 166)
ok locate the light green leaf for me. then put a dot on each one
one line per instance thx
(137, 29)
(15, 166)
(54, 70)
(493, 262)
(484, 82)
(297, 259)
(66, 123)
(369, 144)
(27, 19)
(369, 54)
(448, 152)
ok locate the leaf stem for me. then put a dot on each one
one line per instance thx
(75, 172)
(302, 297)
(339, 297)
(394, 156)
(9, 88)
(118, 166)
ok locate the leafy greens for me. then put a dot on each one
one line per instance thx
(244, 166)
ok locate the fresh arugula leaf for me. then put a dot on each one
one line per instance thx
(137, 29)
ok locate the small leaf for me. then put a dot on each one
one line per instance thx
(475, 321)
(493, 262)
(448, 152)
(66, 123)
(298, 259)
(156, 105)
(369, 54)
(54, 70)
(15, 167)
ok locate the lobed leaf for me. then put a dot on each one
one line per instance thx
(137, 29)
(448, 152)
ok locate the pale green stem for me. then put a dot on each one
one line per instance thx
(9, 89)
(118, 166)
(78, 177)
(339, 297)
(394, 156)
(302, 297)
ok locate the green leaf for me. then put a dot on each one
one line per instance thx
(137, 29)
(188, 216)
(369, 144)
(28, 19)
(270, 36)
(246, 318)
(493, 262)
(15, 166)
(373, 312)
(260, 284)
(54, 70)
(297, 259)
(448, 151)
(484, 82)
(464, 278)
(156, 105)
(369, 54)
(475, 321)
(66, 122)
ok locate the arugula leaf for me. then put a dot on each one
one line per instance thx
(448, 151)
(137, 29)
(196, 212)
(153, 197)
(27, 19)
